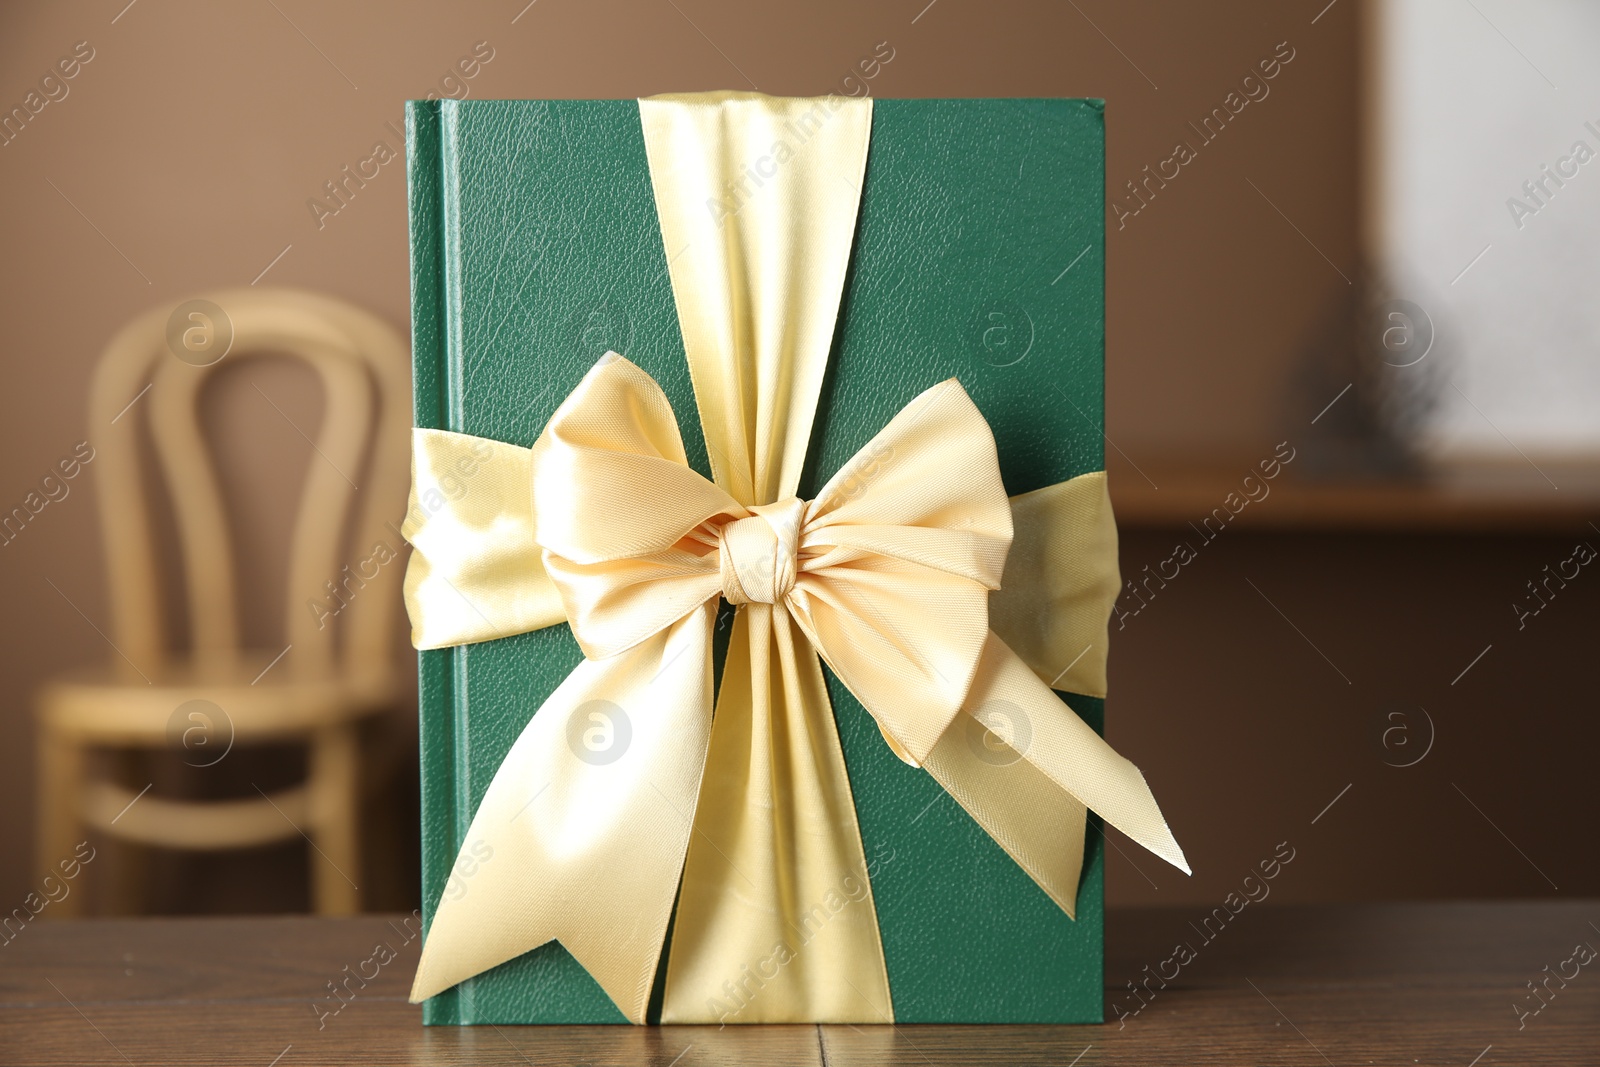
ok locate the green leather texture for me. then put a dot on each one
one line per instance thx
(979, 255)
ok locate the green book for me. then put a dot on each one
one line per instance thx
(979, 254)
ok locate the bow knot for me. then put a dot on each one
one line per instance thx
(759, 554)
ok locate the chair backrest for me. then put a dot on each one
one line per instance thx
(363, 368)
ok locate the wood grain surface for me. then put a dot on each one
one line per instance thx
(1369, 984)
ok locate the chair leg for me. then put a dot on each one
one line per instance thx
(336, 871)
(60, 787)
(123, 887)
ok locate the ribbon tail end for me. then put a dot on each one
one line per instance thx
(1161, 841)
(1154, 835)
(1176, 857)
(429, 982)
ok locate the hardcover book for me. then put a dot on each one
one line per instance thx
(978, 255)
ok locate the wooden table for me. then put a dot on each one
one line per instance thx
(1372, 984)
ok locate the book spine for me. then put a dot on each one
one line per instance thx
(435, 667)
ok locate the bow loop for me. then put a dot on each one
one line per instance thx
(626, 526)
(611, 480)
(926, 489)
(898, 555)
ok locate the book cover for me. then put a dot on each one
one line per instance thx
(979, 254)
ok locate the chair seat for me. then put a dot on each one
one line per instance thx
(202, 825)
(262, 701)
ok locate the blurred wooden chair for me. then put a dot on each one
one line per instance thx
(305, 689)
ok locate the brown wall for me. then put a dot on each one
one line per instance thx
(189, 146)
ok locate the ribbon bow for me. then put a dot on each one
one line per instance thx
(640, 542)
(731, 826)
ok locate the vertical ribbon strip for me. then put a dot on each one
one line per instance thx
(757, 199)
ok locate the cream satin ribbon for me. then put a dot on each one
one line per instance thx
(890, 574)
